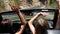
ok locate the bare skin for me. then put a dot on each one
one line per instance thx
(16, 9)
(30, 23)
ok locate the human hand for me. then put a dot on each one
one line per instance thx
(15, 8)
(42, 14)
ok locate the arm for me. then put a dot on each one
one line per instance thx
(21, 29)
(23, 22)
(30, 23)
(15, 8)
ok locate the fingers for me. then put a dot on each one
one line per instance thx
(43, 14)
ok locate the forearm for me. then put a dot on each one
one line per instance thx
(16, 9)
(30, 23)
(23, 23)
(21, 17)
(33, 19)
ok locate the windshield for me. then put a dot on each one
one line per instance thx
(14, 17)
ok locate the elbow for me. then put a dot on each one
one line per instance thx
(29, 23)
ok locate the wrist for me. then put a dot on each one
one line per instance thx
(17, 11)
(39, 15)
